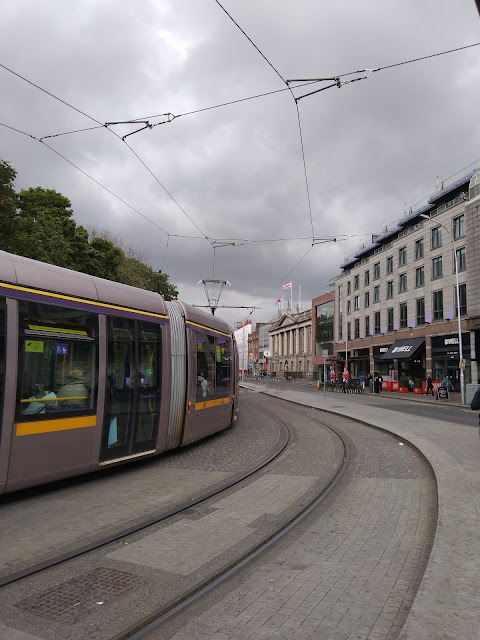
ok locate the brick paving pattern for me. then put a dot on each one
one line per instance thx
(353, 571)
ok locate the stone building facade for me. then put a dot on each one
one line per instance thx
(291, 345)
(396, 299)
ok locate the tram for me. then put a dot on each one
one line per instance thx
(95, 373)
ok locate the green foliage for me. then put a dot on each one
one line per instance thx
(403, 382)
(8, 205)
(138, 274)
(417, 383)
(38, 223)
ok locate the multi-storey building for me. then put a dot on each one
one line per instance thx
(323, 333)
(258, 342)
(291, 345)
(396, 299)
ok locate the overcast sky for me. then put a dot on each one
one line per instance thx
(371, 147)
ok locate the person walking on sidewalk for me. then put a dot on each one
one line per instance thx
(429, 386)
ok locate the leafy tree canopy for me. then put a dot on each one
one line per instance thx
(38, 223)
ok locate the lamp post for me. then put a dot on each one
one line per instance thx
(461, 363)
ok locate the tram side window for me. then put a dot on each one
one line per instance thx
(205, 367)
(57, 371)
(223, 367)
(213, 367)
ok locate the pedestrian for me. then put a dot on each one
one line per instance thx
(370, 382)
(380, 383)
(411, 384)
(361, 379)
(429, 386)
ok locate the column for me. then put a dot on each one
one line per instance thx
(473, 361)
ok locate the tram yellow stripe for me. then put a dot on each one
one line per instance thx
(207, 404)
(48, 426)
(195, 324)
(81, 300)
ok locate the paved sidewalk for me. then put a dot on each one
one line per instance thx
(446, 606)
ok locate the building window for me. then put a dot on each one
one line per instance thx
(340, 312)
(420, 311)
(376, 271)
(403, 315)
(438, 305)
(402, 256)
(419, 249)
(389, 289)
(377, 322)
(462, 290)
(458, 227)
(367, 299)
(461, 259)
(437, 270)
(367, 326)
(436, 238)
(420, 277)
(349, 307)
(402, 283)
(356, 303)
(349, 335)
(367, 278)
(356, 282)
(357, 328)
(376, 294)
(348, 288)
(389, 265)
(390, 319)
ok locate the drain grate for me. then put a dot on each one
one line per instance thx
(68, 601)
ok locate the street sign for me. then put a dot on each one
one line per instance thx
(462, 364)
(266, 353)
(325, 353)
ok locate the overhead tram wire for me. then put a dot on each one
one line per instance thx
(239, 100)
(101, 125)
(231, 241)
(298, 112)
(29, 135)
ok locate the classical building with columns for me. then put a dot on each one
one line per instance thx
(396, 308)
(291, 345)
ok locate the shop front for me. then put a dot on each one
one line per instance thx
(405, 358)
(446, 358)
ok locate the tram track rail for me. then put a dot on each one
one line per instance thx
(78, 552)
(142, 629)
(184, 597)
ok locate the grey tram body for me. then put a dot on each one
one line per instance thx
(76, 434)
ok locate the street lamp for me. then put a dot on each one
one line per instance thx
(461, 363)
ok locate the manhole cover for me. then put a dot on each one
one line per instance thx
(67, 601)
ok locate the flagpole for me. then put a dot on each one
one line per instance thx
(299, 296)
(291, 299)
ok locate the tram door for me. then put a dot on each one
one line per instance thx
(132, 402)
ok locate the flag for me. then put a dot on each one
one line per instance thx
(278, 301)
(287, 286)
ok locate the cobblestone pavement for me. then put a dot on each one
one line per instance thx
(40, 524)
(102, 594)
(350, 571)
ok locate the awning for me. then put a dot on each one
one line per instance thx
(403, 349)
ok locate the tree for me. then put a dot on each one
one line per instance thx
(8, 205)
(133, 269)
(104, 259)
(138, 274)
(45, 229)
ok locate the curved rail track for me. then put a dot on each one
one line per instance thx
(155, 618)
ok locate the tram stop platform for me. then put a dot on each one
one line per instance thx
(447, 603)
